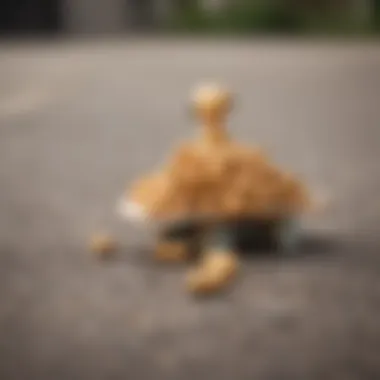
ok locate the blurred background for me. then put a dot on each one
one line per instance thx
(63, 17)
(85, 109)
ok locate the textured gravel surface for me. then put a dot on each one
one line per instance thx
(78, 121)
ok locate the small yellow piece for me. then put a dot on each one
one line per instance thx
(171, 251)
(212, 98)
(103, 245)
(216, 271)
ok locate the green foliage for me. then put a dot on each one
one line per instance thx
(376, 16)
(192, 19)
(243, 16)
(255, 16)
(337, 23)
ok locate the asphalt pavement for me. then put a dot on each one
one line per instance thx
(80, 120)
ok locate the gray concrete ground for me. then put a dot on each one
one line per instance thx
(78, 121)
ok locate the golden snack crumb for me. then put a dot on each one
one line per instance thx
(215, 178)
(215, 272)
(171, 251)
(218, 176)
(103, 245)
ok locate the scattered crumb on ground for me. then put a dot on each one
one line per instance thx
(103, 245)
